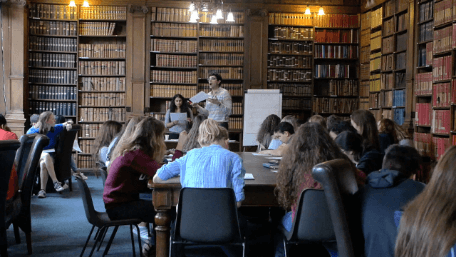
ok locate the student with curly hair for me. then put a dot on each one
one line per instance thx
(266, 132)
(177, 105)
(387, 134)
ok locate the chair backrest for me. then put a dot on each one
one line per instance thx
(40, 141)
(103, 174)
(63, 151)
(90, 212)
(207, 215)
(22, 156)
(339, 184)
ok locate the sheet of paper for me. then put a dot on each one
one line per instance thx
(201, 96)
(179, 116)
(275, 171)
(76, 146)
(274, 158)
(248, 176)
(257, 154)
(49, 150)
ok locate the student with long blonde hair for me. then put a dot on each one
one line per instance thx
(107, 132)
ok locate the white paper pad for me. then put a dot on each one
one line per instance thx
(201, 96)
(49, 150)
(179, 116)
(76, 146)
(274, 158)
(275, 171)
(248, 176)
(257, 154)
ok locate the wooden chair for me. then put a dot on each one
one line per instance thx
(8, 150)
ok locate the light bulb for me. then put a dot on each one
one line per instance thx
(85, 4)
(72, 4)
(321, 11)
(219, 14)
(214, 19)
(194, 16)
(192, 7)
(230, 17)
(307, 12)
(204, 9)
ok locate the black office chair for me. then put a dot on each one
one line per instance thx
(102, 222)
(63, 152)
(321, 216)
(8, 150)
(104, 174)
(18, 208)
(207, 216)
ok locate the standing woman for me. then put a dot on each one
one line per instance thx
(428, 225)
(108, 131)
(178, 105)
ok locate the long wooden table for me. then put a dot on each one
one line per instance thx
(258, 192)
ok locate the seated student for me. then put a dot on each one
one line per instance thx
(386, 134)
(275, 142)
(126, 130)
(138, 156)
(427, 227)
(213, 161)
(318, 119)
(350, 144)
(295, 170)
(104, 137)
(6, 134)
(192, 138)
(386, 191)
(46, 125)
(339, 126)
(364, 122)
(284, 133)
(266, 131)
(34, 119)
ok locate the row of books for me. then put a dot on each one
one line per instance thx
(336, 36)
(237, 109)
(402, 22)
(58, 108)
(399, 98)
(171, 90)
(206, 17)
(278, 61)
(374, 100)
(423, 143)
(289, 75)
(233, 89)
(101, 114)
(291, 19)
(401, 42)
(292, 89)
(174, 30)
(347, 87)
(102, 84)
(426, 11)
(53, 28)
(289, 47)
(170, 14)
(163, 76)
(221, 30)
(423, 114)
(52, 11)
(364, 89)
(445, 39)
(52, 60)
(440, 145)
(399, 79)
(235, 123)
(87, 147)
(386, 99)
(387, 81)
(336, 21)
(225, 72)
(388, 62)
(102, 50)
(365, 21)
(363, 104)
(387, 114)
(96, 28)
(215, 45)
(364, 54)
(53, 44)
(296, 33)
(389, 8)
(425, 55)
(388, 45)
(102, 99)
(85, 162)
(102, 67)
(221, 59)
(441, 121)
(441, 68)
(376, 40)
(89, 130)
(376, 17)
(336, 51)
(61, 77)
(441, 95)
(335, 105)
(401, 60)
(173, 45)
(158, 116)
(443, 12)
(426, 31)
(423, 83)
(103, 12)
(365, 38)
(388, 27)
(53, 92)
(364, 71)
(166, 60)
(375, 82)
(399, 116)
(296, 104)
(332, 71)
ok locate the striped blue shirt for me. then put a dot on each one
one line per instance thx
(208, 167)
(218, 113)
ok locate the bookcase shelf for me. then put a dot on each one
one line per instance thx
(177, 53)
(174, 68)
(51, 52)
(443, 53)
(103, 20)
(161, 83)
(51, 84)
(333, 28)
(81, 91)
(45, 35)
(101, 59)
(296, 82)
(43, 19)
(336, 59)
(53, 100)
(173, 37)
(290, 40)
(85, 75)
(325, 43)
(426, 21)
(425, 42)
(290, 68)
(291, 54)
(86, 138)
(99, 106)
(103, 36)
(443, 25)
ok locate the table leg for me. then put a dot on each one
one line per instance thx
(162, 228)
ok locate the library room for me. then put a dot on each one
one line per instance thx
(107, 105)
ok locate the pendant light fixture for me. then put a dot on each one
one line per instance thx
(321, 11)
(72, 4)
(85, 4)
(307, 12)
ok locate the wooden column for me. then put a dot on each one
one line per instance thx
(256, 49)
(136, 98)
(13, 83)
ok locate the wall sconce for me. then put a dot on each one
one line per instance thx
(307, 12)
(321, 11)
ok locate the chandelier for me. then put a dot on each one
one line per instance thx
(209, 8)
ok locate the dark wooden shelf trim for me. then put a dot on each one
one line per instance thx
(101, 20)
(386, 71)
(52, 52)
(81, 91)
(425, 21)
(85, 75)
(296, 82)
(152, 36)
(400, 31)
(425, 67)
(291, 54)
(291, 40)
(424, 95)
(44, 19)
(95, 58)
(53, 100)
(425, 42)
(447, 52)
(336, 96)
(98, 106)
(400, 70)
(52, 84)
(339, 59)
(423, 126)
(390, 35)
(440, 134)
(223, 79)
(443, 25)
(335, 28)
(106, 36)
(402, 51)
(170, 83)
(335, 78)
(441, 107)
(178, 68)
(441, 81)
(290, 68)
(325, 43)
(221, 52)
(178, 53)
(208, 37)
(388, 17)
(45, 35)
(401, 12)
(298, 26)
(208, 23)
(205, 65)
(86, 138)
(52, 68)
